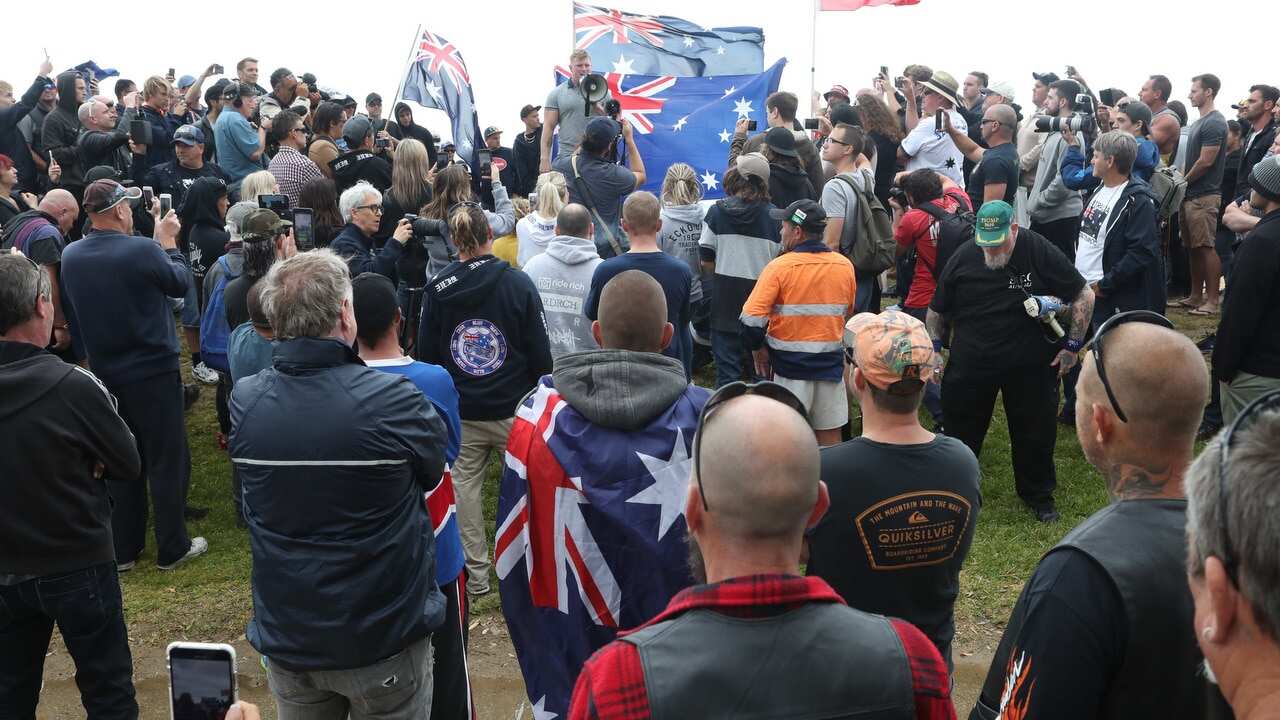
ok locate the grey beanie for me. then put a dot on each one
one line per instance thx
(1265, 178)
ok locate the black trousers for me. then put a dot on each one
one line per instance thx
(1062, 233)
(152, 408)
(85, 605)
(451, 687)
(1030, 401)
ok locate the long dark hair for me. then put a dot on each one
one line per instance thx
(452, 186)
(748, 188)
(321, 195)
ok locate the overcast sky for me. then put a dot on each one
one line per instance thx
(511, 46)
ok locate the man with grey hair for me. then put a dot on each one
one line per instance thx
(57, 564)
(361, 208)
(334, 460)
(1101, 624)
(1233, 559)
(100, 142)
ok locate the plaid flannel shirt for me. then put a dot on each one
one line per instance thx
(612, 683)
(292, 170)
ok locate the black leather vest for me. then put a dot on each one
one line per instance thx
(1141, 546)
(823, 660)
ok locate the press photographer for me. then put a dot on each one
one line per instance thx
(1054, 208)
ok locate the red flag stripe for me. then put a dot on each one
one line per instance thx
(859, 4)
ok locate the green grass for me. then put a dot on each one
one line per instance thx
(209, 599)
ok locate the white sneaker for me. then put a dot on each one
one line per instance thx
(205, 374)
(199, 546)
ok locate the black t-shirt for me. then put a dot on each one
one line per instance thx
(235, 298)
(207, 243)
(898, 529)
(1064, 642)
(992, 329)
(999, 165)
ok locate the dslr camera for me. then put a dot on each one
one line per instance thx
(613, 109)
(424, 227)
(1082, 120)
(900, 196)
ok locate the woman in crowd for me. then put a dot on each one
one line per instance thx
(788, 182)
(682, 214)
(484, 325)
(321, 195)
(453, 186)
(12, 203)
(885, 134)
(411, 177)
(538, 227)
(326, 124)
(258, 184)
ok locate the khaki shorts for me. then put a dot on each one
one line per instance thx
(825, 400)
(1198, 221)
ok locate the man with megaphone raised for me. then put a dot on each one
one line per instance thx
(570, 105)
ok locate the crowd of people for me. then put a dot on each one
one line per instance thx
(379, 317)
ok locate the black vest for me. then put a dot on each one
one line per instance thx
(823, 660)
(1140, 544)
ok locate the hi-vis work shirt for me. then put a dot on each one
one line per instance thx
(799, 307)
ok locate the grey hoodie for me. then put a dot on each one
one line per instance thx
(562, 275)
(1050, 198)
(601, 384)
(679, 236)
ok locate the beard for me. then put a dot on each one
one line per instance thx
(1208, 672)
(996, 261)
(697, 567)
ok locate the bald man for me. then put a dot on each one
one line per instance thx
(995, 177)
(609, 431)
(1101, 628)
(761, 636)
(41, 234)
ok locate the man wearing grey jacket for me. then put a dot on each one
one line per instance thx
(562, 273)
(1054, 209)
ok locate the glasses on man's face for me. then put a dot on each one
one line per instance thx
(764, 388)
(375, 209)
(833, 139)
(1095, 346)
(989, 121)
(1266, 403)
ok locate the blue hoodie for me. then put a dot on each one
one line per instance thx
(1078, 175)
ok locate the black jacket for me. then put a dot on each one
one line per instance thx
(1257, 150)
(343, 550)
(528, 154)
(163, 126)
(11, 141)
(353, 166)
(787, 185)
(1247, 337)
(60, 131)
(482, 321)
(356, 248)
(413, 130)
(58, 422)
(1132, 264)
(173, 178)
(97, 147)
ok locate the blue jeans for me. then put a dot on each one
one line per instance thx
(86, 606)
(728, 348)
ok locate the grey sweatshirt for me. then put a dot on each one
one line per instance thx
(601, 384)
(562, 275)
(1050, 199)
(679, 236)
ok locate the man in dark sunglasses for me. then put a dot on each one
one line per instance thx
(759, 635)
(1104, 619)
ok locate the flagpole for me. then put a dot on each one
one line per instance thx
(813, 59)
(417, 33)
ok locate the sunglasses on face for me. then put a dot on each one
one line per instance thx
(765, 388)
(1095, 346)
(1266, 403)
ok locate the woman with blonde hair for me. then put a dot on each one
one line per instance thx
(682, 214)
(411, 178)
(258, 183)
(539, 227)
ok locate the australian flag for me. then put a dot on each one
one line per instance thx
(591, 533)
(665, 45)
(438, 79)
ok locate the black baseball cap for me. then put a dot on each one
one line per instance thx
(527, 109)
(808, 214)
(373, 99)
(1048, 78)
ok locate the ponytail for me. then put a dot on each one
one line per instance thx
(468, 227)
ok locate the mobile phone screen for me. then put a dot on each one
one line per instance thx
(302, 229)
(147, 196)
(937, 121)
(201, 683)
(275, 203)
(166, 204)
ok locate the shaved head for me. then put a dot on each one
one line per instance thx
(633, 313)
(1004, 114)
(57, 200)
(760, 471)
(573, 220)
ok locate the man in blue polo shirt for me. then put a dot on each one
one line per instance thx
(239, 145)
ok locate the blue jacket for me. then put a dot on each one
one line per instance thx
(334, 458)
(356, 248)
(1078, 175)
(1132, 262)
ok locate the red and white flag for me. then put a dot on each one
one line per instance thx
(859, 4)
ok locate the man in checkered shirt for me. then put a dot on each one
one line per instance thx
(290, 167)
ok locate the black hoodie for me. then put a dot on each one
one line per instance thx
(204, 227)
(58, 421)
(414, 130)
(482, 321)
(353, 166)
(61, 130)
(788, 184)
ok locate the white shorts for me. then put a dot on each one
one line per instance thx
(825, 400)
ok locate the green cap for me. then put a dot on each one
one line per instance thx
(994, 219)
(263, 223)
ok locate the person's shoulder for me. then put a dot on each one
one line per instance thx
(81, 381)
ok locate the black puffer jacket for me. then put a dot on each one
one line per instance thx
(61, 130)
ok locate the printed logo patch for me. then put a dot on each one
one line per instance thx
(479, 348)
(913, 530)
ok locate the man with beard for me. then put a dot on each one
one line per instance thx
(761, 636)
(1104, 619)
(1001, 296)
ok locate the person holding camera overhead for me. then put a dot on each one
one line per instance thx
(602, 185)
(1054, 208)
(567, 108)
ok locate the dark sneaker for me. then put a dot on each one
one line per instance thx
(125, 567)
(194, 512)
(199, 546)
(1046, 514)
(190, 394)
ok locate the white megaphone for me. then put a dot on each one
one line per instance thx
(593, 89)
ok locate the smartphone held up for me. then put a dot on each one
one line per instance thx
(202, 680)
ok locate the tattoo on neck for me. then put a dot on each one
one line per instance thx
(1126, 481)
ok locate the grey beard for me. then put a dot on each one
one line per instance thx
(697, 567)
(996, 262)
(1208, 672)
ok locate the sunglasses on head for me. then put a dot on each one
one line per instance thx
(764, 388)
(1095, 346)
(1266, 403)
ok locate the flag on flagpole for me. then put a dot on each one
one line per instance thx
(859, 4)
(663, 45)
(437, 78)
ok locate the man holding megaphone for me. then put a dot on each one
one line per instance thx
(570, 105)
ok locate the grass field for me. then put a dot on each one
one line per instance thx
(209, 599)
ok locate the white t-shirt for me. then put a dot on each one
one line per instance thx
(935, 150)
(1093, 231)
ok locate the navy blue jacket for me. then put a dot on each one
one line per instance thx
(1132, 264)
(356, 248)
(160, 149)
(334, 459)
(115, 295)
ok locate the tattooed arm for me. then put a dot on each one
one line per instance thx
(1081, 313)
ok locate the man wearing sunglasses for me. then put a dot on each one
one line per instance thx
(756, 635)
(995, 177)
(1101, 628)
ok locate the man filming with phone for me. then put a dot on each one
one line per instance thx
(601, 185)
(567, 108)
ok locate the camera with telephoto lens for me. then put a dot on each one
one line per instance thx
(613, 109)
(1082, 120)
(424, 227)
(898, 194)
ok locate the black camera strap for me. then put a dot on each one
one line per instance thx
(591, 205)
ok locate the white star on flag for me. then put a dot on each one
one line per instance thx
(688, 41)
(623, 66)
(540, 711)
(710, 182)
(720, 50)
(725, 135)
(729, 91)
(680, 124)
(436, 93)
(670, 488)
(743, 107)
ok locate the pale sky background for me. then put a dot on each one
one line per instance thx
(511, 46)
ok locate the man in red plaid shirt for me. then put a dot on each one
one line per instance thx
(758, 638)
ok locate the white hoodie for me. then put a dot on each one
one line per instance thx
(533, 232)
(679, 236)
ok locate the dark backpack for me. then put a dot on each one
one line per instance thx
(215, 331)
(17, 232)
(954, 230)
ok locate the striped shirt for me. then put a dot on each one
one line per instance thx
(292, 170)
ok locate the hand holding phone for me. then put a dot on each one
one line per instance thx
(166, 204)
(937, 120)
(202, 680)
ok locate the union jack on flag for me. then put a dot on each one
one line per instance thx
(442, 55)
(592, 23)
(591, 533)
(665, 45)
(437, 78)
